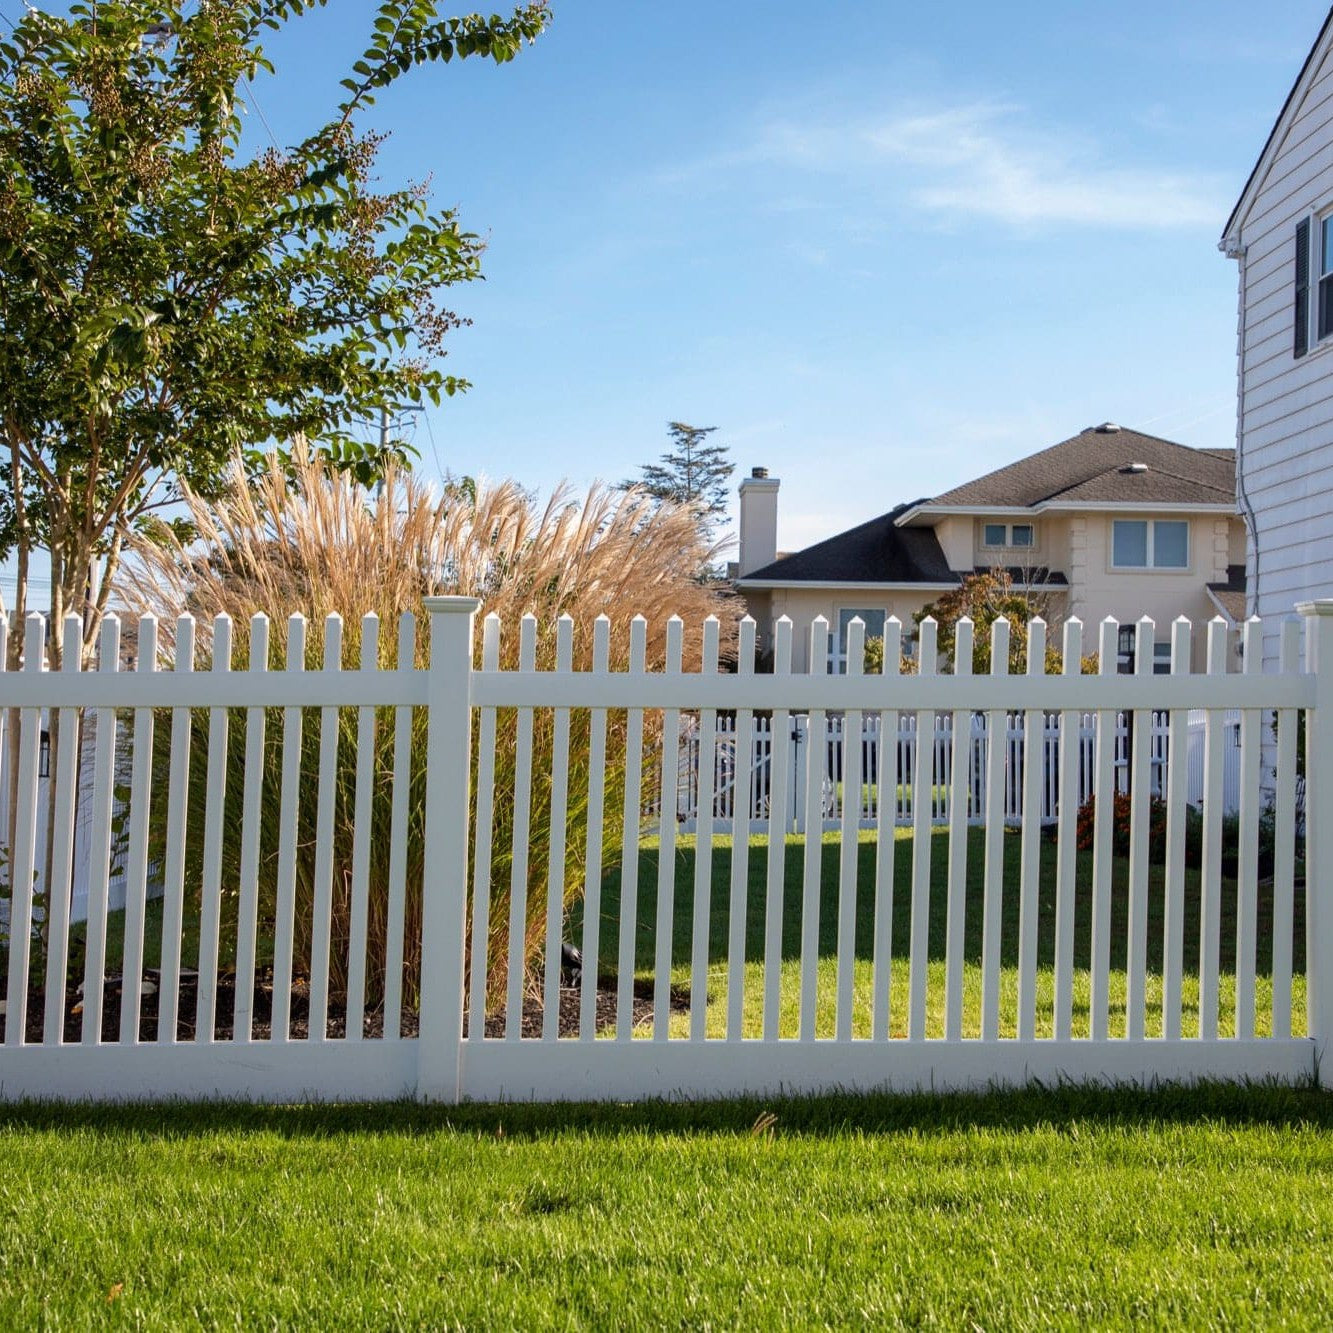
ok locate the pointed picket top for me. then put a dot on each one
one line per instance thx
(490, 642)
(999, 647)
(745, 647)
(527, 642)
(782, 644)
(856, 646)
(601, 644)
(564, 643)
(708, 658)
(638, 645)
(333, 642)
(1072, 650)
(675, 640)
(1108, 647)
(893, 647)
(927, 647)
(1036, 646)
(962, 646)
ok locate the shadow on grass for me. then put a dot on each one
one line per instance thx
(828, 1115)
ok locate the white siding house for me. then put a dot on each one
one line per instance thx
(1281, 234)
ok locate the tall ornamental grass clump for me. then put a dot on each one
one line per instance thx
(304, 538)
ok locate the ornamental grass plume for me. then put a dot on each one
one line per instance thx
(302, 538)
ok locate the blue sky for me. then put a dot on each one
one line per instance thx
(882, 247)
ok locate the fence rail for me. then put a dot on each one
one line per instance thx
(366, 882)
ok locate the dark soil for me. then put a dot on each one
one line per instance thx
(336, 1024)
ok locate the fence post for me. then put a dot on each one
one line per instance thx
(1318, 865)
(445, 862)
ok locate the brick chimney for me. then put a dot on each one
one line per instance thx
(759, 521)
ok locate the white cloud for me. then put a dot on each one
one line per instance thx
(981, 160)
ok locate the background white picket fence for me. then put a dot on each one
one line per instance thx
(887, 756)
(398, 1004)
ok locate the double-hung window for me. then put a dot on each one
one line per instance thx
(1008, 534)
(873, 619)
(1156, 543)
(1313, 314)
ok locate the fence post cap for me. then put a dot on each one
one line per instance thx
(466, 605)
(1322, 607)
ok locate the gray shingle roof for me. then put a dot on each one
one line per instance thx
(1089, 469)
(875, 552)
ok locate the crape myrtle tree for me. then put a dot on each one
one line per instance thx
(169, 298)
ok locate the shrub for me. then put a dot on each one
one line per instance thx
(310, 541)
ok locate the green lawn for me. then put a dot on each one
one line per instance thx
(828, 927)
(1190, 1208)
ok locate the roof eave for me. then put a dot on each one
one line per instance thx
(1230, 243)
(823, 584)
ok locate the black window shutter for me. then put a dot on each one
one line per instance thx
(1302, 341)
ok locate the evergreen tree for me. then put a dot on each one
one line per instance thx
(692, 473)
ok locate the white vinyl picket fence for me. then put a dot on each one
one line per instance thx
(888, 748)
(344, 859)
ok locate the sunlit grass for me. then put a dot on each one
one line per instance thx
(826, 983)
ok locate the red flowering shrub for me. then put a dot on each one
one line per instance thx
(1120, 822)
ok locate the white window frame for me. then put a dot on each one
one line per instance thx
(1317, 276)
(1151, 567)
(1008, 544)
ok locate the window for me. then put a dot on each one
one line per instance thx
(1125, 656)
(1150, 544)
(1008, 534)
(1325, 277)
(873, 618)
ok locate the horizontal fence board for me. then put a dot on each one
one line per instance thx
(874, 693)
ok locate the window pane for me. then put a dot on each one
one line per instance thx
(1171, 545)
(871, 616)
(1129, 544)
(1325, 326)
(1022, 534)
(1326, 249)
(1162, 658)
(994, 534)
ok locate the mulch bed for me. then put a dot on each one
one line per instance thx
(336, 1026)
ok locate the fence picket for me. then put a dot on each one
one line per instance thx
(1071, 747)
(812, 863)
(321, 934)
(738, 908)
(852, 749)
(362, 792)
(1247, 875)
(1034, 765)
(518, 875)
(993, 889)
(666, 856)
(395, 926)
(99, 867)
(1284, 838)
(1140, 740)
(483, 842)
(779, 751)
(592, 877)
(136, 863)
(284, 908)
(65, 774)
(23, 866)
(1177, 782)
(1103, 824)
(630, 826)
(247, 912)
(923, 765)
(960, 758)
(886, 770)
(555, 878)
(703, 844)
(1210, 923)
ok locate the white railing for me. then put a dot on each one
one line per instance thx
(888, 749)
(365, 881)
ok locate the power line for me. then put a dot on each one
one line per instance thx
(435, 453)
(259, 111)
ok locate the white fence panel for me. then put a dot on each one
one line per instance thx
(346, 917)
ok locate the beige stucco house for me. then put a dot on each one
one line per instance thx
(1111, 522)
